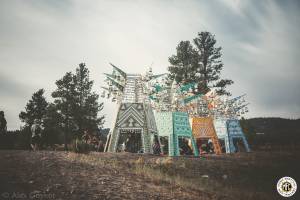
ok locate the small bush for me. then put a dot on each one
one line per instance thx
(164, 161)
(79, 146)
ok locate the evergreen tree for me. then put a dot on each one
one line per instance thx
(77, 104)
(86, 114)
(210, 63)
(200, 63)
(183, 63)
(35, 108)
(53, 126)
(65, 103)
(3, 123)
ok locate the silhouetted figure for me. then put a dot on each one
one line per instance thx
(185, 148)
(129, 144)
(86, 137)
(156, 148)
(36, 133)
(164, 145)
(210, 147)
(3, 123)
(93, 141)
(100, 146)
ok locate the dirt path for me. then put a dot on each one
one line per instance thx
(60, 175)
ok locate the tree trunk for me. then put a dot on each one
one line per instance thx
(66, 133)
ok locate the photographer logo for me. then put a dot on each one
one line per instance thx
(286, 186)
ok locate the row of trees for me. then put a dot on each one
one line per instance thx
(74, 110)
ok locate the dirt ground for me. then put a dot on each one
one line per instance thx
(66, 175)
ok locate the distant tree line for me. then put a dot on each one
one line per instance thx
(73, 113)
(270, 133)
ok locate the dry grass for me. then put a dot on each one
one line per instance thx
(229, 176)
(165, 170)
(238, 176)
(247, 176)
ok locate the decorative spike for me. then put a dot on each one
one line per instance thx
(119, 70)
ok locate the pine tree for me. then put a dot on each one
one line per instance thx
(183, 63)
(210, 63)
(3, 123)
(65, 102)
(35, 109)
(200, 63)
(53, 126)
(77, 104)
(86, 115)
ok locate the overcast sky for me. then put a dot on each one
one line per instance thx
(41, 40)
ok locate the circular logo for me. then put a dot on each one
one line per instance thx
(286, 186)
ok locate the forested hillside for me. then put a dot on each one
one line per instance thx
(272, 131)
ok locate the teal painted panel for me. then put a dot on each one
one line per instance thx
(191, 98)
(174, 125)
(173, 145)
(164, 123)
(186, 87)
(181, 124)
(234, 130)
(195, 148)
(220, 127)
(221, 130)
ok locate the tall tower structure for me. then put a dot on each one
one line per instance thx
(134, 129)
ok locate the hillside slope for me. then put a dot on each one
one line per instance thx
(272, 131)
(64, 175)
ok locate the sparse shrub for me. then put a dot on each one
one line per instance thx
(167, 161)
(79, 146)
(164, 161)
(140, 161)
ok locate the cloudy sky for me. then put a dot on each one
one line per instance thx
(41, 40)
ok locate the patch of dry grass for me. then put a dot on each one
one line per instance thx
(247, 176)
(163, 171)
(94, 160)
(179, 173)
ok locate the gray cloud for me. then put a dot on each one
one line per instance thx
(41, 40)
(10, 87)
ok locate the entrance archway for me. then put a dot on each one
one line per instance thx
(130, 140)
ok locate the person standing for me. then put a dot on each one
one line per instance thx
(36, 134)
